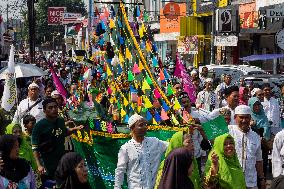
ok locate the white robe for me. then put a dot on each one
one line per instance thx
(140, 162)
(278, 154)
(272, 110)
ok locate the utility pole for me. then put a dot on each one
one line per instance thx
(31, 18)
(212, 54)
(7, 15)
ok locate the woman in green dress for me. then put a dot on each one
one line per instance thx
(223, 170)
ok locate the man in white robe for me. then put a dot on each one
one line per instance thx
(139, 158)
(278, 155)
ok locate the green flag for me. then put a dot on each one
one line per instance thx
(215, 127)
(130, 76)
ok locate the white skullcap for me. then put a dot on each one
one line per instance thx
(54, 93)
(255, 90)
(33, 85)
(209, 80)
(242, 109)
(133, 119)
(193, 72)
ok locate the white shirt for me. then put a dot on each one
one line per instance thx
(278, 154)
(215, 113)
(220, 88)
(140, 161)
(272, 110)
(206, 99)
(36, 111)
(248, 149)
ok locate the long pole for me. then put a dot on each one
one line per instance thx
(7, 16)
(31, 16)
(212, 59)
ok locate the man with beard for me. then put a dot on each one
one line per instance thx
(248, 148)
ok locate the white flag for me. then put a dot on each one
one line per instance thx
(2, 31)
(9, 94)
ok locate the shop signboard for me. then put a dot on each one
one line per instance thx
(71, 18)
(225, 20)
(226, 41)
(55, 15)
(205, 6)
(280, 39)
(188, 45)
(248, 16)
(171, 10)
(171, 21)
(275, 13)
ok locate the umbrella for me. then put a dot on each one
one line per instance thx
(24, 70)
(262, 57)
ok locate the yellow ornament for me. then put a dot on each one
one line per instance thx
(147, 102)
(127, 54)
(111, 24)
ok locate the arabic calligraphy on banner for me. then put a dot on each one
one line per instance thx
(188, 45)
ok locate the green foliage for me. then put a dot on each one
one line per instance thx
(45, 32)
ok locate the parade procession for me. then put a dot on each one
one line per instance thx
(141, 94)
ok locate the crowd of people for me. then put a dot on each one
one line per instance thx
(37, 152)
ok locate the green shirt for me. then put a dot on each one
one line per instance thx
(48, 139)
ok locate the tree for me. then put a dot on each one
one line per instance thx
(45, 32)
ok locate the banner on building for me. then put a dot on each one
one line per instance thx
(55, 15)
(171, 22)
(188, 45)
(230, 41)
(205, 6)
(275, 13)
(248, 16)
(71, 18)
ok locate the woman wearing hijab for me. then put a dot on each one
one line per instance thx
(260, 125)
(223, 170)
(177, 169)
(16, 172)
(181, 139)
(25, 150)
(260, 122)
(243, 96)
(72, 173)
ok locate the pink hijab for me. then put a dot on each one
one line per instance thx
(243, 96)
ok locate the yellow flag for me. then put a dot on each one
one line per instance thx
(127, 54)
(111, 24)
(148, 47)
(145, 85)
(121, 58)
(177, 105)
(141, 67)
(143, 28)
(141, 32)
(154, 122)
(122, 112)
(125, 101)
(109, 73)
(139, 109)
(147, 102)
(174, 120)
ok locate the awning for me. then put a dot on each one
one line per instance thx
(261, 57)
